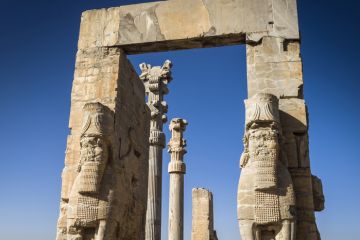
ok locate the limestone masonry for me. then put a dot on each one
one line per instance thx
(202, 215)
(104, 181)
(266, 200)
(111, 181)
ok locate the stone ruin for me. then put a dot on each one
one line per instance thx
(202, 215)
(111, 182)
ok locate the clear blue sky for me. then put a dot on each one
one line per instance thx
(37, 52)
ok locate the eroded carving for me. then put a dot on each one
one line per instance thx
(88, 205)
(318, 194)
(202, 215)
(266, 200)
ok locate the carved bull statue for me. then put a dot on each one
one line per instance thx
(88, 202)
(265, 201)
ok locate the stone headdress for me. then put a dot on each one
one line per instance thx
(262, 108)
(98, 120)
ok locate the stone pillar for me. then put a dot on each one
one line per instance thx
(274, 66)
(176, 170)
(202, 215)
(155, 80)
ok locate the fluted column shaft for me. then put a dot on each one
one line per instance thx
(153, 213)
(176, 170)
(155, 80)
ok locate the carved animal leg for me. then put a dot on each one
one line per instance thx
(246, 229)
(75, 236)
(293, 230)
(61, 234)
(100, 233)
(73, 233)
(287, 230)
(109, 229)
(257, 234)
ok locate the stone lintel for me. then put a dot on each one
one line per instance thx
(185, 24)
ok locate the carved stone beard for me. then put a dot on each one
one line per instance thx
(265, 165)
(263, 150)
(264, 157)
(93, 159)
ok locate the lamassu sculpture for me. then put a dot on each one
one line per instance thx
(89, 197)
(266, 201)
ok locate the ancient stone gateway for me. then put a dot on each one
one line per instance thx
(105, 178)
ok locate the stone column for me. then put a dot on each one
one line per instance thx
(176, 170)
(202, 215)
(155, 80)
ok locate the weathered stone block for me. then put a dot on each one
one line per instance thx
(182, 24)
(293, 115)
(202, 215)
(318, 194)
(274, 66)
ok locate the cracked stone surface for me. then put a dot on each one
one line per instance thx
(184, 24)
(202, 215)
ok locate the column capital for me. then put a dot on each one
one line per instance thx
(177, 142)
(156, 78)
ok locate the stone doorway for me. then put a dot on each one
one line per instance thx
(193, 95)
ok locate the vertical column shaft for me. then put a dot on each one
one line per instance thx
(176, 206)
(176, 170)
(153, 213)
(155, 80)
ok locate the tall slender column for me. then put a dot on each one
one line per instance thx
(155, 80)
(177, 170)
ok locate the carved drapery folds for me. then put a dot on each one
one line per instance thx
(155, 80)
(266, 201)
(88, 202)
